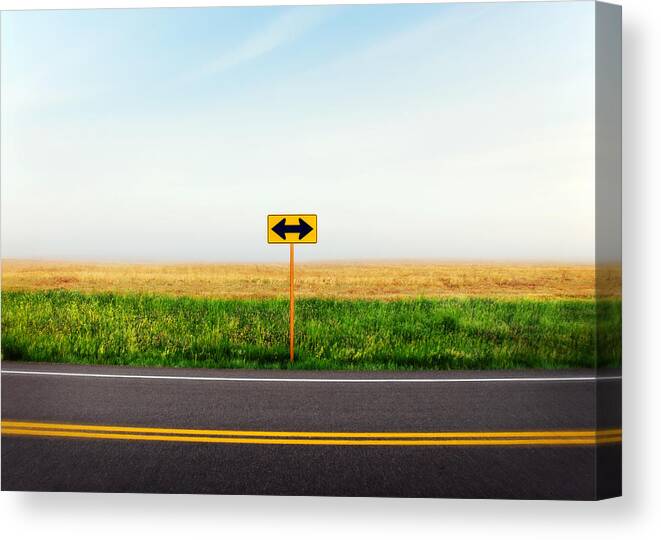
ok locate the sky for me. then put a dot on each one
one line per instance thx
(447, 131)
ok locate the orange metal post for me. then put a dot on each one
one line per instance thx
(291, 302)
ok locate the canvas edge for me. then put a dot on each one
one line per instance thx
(608, 232)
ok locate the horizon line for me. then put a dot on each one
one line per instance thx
(347, 261)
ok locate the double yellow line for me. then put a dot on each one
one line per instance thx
(585, 437)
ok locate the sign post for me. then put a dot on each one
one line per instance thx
(291, 229)
(291, 302)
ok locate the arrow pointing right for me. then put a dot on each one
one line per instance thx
(282, 229)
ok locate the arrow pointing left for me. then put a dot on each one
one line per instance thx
(282, 229)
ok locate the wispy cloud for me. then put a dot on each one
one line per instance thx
(414, 43)
(283, 29)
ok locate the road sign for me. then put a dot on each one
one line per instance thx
(291, 228)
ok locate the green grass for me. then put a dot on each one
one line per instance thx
(150, 330)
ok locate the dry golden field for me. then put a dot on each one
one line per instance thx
(336, 280)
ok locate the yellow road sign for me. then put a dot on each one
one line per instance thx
(291, 229)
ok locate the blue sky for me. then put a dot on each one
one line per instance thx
(460, 131)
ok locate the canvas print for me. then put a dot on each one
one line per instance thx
(343, 250)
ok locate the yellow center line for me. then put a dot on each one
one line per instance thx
(586, 433)
(465, 438)
(346, 442)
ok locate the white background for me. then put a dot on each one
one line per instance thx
(636, 515)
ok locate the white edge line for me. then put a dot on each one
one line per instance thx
(310, 380)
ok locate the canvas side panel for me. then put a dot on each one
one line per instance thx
(608, 248)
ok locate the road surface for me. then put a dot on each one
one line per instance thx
(515, 434)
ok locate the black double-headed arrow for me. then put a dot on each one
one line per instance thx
(281, 228)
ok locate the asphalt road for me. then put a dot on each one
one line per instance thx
(461, 434)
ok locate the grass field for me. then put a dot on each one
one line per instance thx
(451, 333)
(349, 316)
(343, 281)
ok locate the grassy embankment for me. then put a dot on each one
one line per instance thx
(150, 323)
(331, 334)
